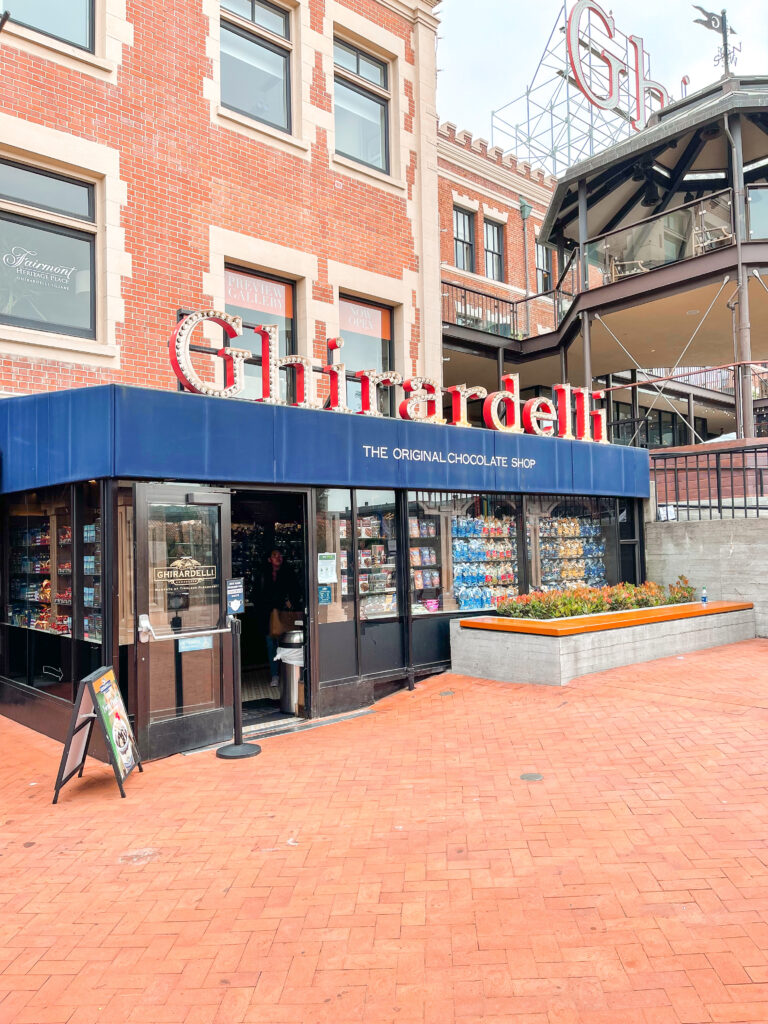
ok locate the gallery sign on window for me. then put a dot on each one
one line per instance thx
(46, 277)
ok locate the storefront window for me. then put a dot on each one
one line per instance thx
(335, 556)
(367, 333)
(462, 551)
(260, 301)
(39, 591)
(571, 542)
(377, 553)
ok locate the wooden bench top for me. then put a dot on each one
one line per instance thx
(604, 620)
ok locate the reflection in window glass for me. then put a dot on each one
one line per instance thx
(69, 20)
(46, 277)
(37, 646)
(361, 125)
(377, 539)
(260, 301)
(46, 191)
(571, 542)
(367, 334)
(254, 77)
(335, 549)
(462, 551)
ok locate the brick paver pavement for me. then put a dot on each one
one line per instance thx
(395, 867)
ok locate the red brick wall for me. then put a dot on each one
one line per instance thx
(184, 174)
(484, 189)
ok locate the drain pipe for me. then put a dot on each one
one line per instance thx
(525, 212)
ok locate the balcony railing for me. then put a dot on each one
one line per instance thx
(690, 230)
(466, 307)
(712, 378)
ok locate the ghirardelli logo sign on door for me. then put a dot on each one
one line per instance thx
(186, 572)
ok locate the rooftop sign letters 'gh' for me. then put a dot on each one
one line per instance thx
(615, 66)
(423, 402)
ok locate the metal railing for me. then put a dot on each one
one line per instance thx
(670, 237)
(466, 307)
(724, 483)
(712, 378)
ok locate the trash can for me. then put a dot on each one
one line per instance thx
(290, 654)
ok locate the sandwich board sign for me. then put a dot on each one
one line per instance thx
(99, 700)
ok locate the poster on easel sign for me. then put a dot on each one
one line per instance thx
(99, 701)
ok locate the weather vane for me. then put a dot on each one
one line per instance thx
(719, 23)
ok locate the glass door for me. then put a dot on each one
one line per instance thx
(377, 535)
(184, 659)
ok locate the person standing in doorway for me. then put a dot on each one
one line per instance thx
(279, 595)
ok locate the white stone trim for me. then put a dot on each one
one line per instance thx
(53, 150)
(389, 291)
(112, 31)
(470, 205)
(269, 258)
(499, 216)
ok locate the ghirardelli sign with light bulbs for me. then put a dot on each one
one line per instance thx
(612, 78)
(569, 416)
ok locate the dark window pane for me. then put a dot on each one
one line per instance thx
(361, 121)
(254, 78)
(71, 21)
(25, 185)
(46, 277)
(628, 564)
(627, 519)
(493, 250)
(464, 240)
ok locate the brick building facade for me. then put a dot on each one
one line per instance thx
(292, 141)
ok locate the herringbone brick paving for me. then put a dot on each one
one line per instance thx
(395, 868)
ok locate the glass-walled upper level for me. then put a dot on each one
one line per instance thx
(692, 229)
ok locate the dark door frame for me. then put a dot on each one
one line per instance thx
(186, 731)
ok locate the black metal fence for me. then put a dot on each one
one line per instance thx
(724, 483)
(466, 307)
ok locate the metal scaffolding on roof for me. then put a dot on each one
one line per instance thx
(552, 124)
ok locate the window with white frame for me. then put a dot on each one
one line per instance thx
(47, 251)
(256, 61)
(463, 239)
(494, 250)
(71, 21)
(543, 268)
(361, 106)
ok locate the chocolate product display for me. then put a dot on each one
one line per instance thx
(571, 552)
(485, 571)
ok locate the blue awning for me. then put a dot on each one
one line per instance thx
(137, 433)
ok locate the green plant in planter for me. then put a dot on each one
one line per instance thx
(560, 604)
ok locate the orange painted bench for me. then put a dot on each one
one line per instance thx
(554, 651)
(604, 620)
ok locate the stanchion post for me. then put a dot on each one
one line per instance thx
(238, 748)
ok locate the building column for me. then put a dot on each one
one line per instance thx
(743, 347)
(500, 367)
(635, 402)
(563, 365)
(586, 338)
(691, 423)
(583, 267)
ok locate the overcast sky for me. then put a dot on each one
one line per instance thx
(488, 49)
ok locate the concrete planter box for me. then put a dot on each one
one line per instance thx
(554, 651)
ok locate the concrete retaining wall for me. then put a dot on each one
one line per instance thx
(554, 661)
(727, 556)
